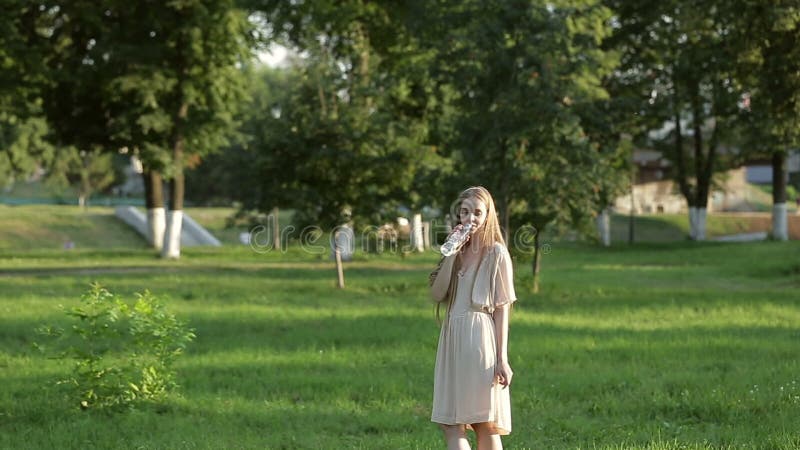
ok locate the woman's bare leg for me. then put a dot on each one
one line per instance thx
(486, 437)
(456, 437)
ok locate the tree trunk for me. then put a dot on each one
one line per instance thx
(780, 224)
(506, 220)
(604, 227)
(700, 222)
(417, 242)
(276, 230)
(692, 222)
(631, 217)
(172, 238)
(698, 232)
(680, 156)
(536, 263)
(683, 182)
(154, 202)
(85, 189)
(680, 160)
(338, 257)
(363, 45)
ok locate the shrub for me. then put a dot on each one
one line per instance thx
(123, 353)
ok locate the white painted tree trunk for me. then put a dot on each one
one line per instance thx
(172, 237)
(276, 230)
(156, 224)
(417, 242)
(604, 227)
(780, 222)
(692, 223)
(700, 224)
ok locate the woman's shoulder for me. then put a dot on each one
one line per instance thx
(498, 249)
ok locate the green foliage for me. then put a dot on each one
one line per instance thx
(25, 150)
(254, 169)
(23, 147)
(770, 68)
(21, 66)
(88, 171)
(120, 73)
(677, 86)
(123, 353)
(408, 104)
(351, 131)
(525, 78)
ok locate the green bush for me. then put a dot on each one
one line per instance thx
(123, 353)
(791, 193)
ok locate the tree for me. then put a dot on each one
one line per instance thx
(355, 122)
(681, 66)
(89, 171)
(237, 172)
(23, 147)
(159, 78)
(605, 129)
(770, 70)
(524, 75)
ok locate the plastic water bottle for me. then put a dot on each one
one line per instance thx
(456, 240)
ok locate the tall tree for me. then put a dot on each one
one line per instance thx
(682, 68)
(605, 128)
(160, 78)
(88, 171)
(523, 75)
(352, 134)
(770, 69)
(23, 147)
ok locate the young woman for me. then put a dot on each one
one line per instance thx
(472, 375)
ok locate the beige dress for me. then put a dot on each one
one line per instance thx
(465, 390)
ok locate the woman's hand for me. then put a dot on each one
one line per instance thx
(503, 373)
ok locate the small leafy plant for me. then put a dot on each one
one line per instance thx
(123, 352)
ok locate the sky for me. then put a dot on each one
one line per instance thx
(274, 56)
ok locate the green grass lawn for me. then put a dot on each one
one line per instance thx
(51, 226)
(675, 227)
(651, 346)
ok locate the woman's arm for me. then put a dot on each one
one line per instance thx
(441, 282)
(503, 370)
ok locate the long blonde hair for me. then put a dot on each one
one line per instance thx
(491, 232)
(489, 235)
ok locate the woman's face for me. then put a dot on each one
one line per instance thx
(472, 211)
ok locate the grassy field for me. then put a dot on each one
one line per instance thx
(51, 226)
(652, 346)
(664, 228)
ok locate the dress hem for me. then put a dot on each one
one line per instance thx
(468, 423)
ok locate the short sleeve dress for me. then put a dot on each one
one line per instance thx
(464, 389)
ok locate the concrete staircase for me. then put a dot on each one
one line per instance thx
(192, 234)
